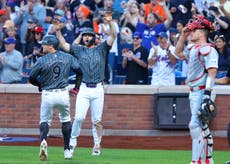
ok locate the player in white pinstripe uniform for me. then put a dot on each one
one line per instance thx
(203, 64)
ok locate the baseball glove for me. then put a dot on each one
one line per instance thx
(207, 111)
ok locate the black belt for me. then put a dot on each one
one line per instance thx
(92, 85)
(56, 90)
(14, 82)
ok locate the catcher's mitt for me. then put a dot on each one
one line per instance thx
(207, 111)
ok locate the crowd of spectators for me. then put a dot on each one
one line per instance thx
(27, 21)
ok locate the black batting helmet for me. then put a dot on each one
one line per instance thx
(88, 31)
(50, 40)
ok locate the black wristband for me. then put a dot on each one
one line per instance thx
(207, 92)
(78, 81)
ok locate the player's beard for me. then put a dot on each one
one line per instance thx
(89, 43)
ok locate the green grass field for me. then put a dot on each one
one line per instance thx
(29, 155)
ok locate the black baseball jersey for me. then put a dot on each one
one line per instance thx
(53, 70)
(92, 61)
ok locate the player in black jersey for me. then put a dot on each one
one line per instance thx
(50, 73)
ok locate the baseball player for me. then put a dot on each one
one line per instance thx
(53, 70)
(91, 58)
(203, 64)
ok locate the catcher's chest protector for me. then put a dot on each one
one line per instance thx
(196, 61)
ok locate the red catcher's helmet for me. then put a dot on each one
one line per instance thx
(199, 22)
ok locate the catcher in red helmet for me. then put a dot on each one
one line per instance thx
(202, 68)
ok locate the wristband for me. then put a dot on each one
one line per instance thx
(207, 93)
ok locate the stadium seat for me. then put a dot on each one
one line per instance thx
(25, 79)
(119, 79)
(26, 71)
(111, 66)
(180, 80)
(149, 79)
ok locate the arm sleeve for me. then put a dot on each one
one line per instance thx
(78, 78)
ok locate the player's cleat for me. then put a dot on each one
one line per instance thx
(227, 162)
(195, 162)
(43, 151)
(73, 91)
(96, 150)
(67, 154)
(208, 161)
(71, 149)
(72, 145)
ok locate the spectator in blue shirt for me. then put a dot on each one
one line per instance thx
(11, 63)
(150, 30)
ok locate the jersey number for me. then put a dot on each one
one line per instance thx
(56, 71)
